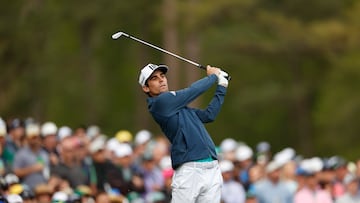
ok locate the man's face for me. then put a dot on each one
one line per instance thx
(34, 140)
(156, 84)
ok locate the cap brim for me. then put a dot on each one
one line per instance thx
(162, 68)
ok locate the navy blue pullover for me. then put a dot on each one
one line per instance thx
(182, 125)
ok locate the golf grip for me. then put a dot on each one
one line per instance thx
(203, 67)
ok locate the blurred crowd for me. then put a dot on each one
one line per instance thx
(45, 163)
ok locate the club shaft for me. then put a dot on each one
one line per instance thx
(119, 34)
(165, 51)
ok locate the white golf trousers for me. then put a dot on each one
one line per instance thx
(197, 182)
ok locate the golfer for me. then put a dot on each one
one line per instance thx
(197, 176)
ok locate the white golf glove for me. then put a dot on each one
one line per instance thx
(222, 79)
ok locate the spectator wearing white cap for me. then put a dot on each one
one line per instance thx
(31, 163)
(311, 192)
(341, 170)
(227, 149)
(93, 132)
(244, 160)
(231, 191)
(100, 162)
(142, 138)
(122, 176)
(110, 148)
(64, 132)
(50, 142)
(352, 194)
(271, 189)
(286, 157)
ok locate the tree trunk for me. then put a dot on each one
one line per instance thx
(170, 43)
(192, 49)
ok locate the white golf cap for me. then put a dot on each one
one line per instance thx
(142, 136)
(64, 131)
(14, 198)
(312, 165)
(243, 152)
(226, 166)
(273, 166)
(123, 150)
(48, 128)
(165, 162)
(60, 196)
(93, 131)
(148, 70)
(32, 129)
(285, 155)
(11, 178)
(97, 144)
(228, 145)
(112, 144)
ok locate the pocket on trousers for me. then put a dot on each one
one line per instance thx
(182, 178)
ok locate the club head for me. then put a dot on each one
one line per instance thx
(119, 34)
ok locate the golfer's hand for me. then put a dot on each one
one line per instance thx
(222, 80)
(212, 70)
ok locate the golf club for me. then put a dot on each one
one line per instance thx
(119, 34)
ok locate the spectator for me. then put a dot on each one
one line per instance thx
(231, 191)
(80, 131)
(10, 180)
(351, 195)
(271, 189)
(92, 132)
(311, 191)
(85, 193)
(102, 197)
(256, 173)
(43, 193)
(244, 160)
(28, 196)
(160, 148)
(227, 148)
(151, 174)
(69, 169)
(64, 132)
(121, 176)
(49, 141)
(340, 167)
(142, 138)
(101, 164)
(286, 158)
(124, 136)
(13, 142)
(31, 163)
(85, 161)
(263, 153)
